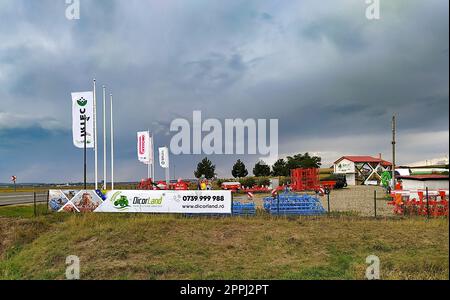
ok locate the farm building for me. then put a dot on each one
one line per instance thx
(421, 182)
(362, 170)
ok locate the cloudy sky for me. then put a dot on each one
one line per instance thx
(332, 77)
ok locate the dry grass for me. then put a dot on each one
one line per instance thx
(263, 247)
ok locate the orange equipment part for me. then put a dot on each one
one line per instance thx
(181, 186)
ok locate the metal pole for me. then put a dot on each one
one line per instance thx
(328, 200)
(112, 144)
(375, 202)
(428, 206)
(48, 198)
(95, 136)
(167, 176)
(104, 137)
(393, 149)
(149, 175)
(34, 203)
(153, 157)
(278, 204)
(84, 154)
(232, 203)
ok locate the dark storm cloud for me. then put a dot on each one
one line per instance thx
(331, 77)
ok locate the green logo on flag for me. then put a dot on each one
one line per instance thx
(82, 102)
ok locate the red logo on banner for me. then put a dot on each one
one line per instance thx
(142, 145)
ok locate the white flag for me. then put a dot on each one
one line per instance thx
(164, 157)
(144, 147)
(83, 119)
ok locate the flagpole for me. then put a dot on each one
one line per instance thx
(148, 165)
(104, 137)
(112, 145)
(84, 153)
(95, 135)
(153, 157)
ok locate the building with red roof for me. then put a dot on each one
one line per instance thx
(362, 169)
(421, 182)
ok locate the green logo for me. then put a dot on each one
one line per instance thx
(120, 202)
(82, 102)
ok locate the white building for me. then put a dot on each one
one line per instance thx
(362, 170)
(421, 182)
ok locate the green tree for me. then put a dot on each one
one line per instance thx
(279, 168)
(261, 169)
(239, 170)
(303, 161)
(205, 168)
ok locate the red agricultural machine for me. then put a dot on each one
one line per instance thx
(309, 180)
(419, 202)
(148, 184)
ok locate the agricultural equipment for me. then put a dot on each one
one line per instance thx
(417, 203)
(308, 180)
(257, 189)
(244, 209)
(147, 184)
(180, 186)
(334, 181)
(288, 203)
(305, 179)
(233, 186)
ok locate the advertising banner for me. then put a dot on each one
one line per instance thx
(164, 157)
(192, 202)
(83, 119)
(135, 201)
(144, 147)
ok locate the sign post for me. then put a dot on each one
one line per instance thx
(13, 179)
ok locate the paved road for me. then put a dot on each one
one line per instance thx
(21, 198)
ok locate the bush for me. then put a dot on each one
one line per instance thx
(263, 181)
(248, 182)
(284, 180)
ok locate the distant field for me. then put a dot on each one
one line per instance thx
(131, 246)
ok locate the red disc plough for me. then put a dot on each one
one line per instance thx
(418, 202)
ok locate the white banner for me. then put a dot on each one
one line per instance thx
(83, 119)
(191, 202)
(144, 147)
(164, 157)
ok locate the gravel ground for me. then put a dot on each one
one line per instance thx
(356, 199)
(359, 199)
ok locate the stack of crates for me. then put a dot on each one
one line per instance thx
(244, 209)
(293, 204)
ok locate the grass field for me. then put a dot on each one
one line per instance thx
(176, 247)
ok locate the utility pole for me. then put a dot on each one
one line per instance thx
(393, 149)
